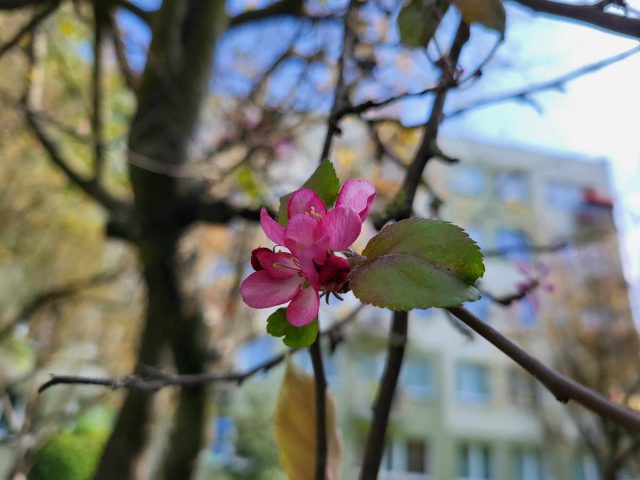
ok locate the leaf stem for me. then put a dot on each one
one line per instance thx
(321, 409)
(382, 408)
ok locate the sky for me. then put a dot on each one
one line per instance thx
(595, 116)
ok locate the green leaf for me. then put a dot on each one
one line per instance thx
(418, 263)
(489, 13)
(294, 337)
(418, 21)
(323, 181)
(295, 427)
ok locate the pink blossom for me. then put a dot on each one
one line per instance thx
(535, 278)
(312, 234)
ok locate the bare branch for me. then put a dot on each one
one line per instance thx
(402, 206)
(130, 77)
(17, 4)
(153, 380)
(292, 8)
(563, 388)
(91, 187)
(29, 27)
(100, 19)
(524, 94)
(55, 294)
(593, 15)
(341, 100)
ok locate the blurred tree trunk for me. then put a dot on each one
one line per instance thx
(173, 88)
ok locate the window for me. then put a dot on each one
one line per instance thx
(527, 465)
(416, 377)
(255, 352)
(330, 367)
(523, 390)
(586, 468)
(408, 456)
(369, 366)
(564, 196)
(512, 187)
(514, 243)
(224, 442)
(528, 314)
(478, 234)
(480, 308)
(468, 180)
(472, 383)
(475, 462)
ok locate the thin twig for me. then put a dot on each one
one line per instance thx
(562, 387)
(129, 76)
(523, 94)
(589, 14)
(402, 207)
(386, 392)
(153, 380)
(96, 92)
(55, 294)
(340, 98)
(315, 351)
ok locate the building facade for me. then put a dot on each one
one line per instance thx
(464, 410)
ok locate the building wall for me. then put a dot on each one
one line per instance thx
(502, 191)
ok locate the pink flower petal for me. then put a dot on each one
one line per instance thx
(341, 228)
(272, 229)
(358, 195)
(306, 202)
(261, 290)
(302, 240)
(304, 307)
(278, 265)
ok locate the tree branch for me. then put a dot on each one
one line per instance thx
(340, 100)
(31, 25)
(130, 77)
(17, 4)
(91, 187)
(315, 351)
(292, 8)
(99, 24)
(374, 448)
(55, 294)
(593, 15)
(88, 186)
(402, 206)
(563, 388)
(153, 380)
(554, 84)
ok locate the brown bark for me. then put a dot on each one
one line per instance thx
(173, 88)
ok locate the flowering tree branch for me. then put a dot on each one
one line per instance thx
(398, 337)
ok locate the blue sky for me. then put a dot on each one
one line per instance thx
(595, 116)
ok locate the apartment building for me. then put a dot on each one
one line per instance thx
(463, 410)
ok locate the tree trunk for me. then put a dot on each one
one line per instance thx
(129, 435)
(173, 88)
